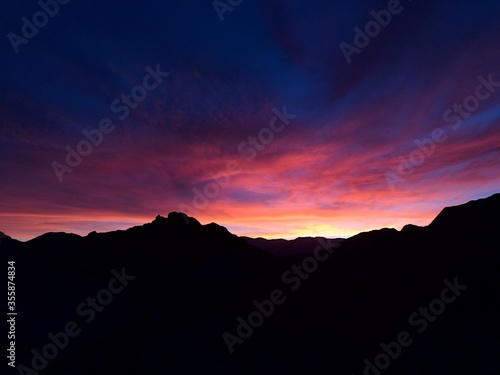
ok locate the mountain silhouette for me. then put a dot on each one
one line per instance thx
(280, 247)
(188, 285)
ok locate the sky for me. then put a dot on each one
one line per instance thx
(274, 119)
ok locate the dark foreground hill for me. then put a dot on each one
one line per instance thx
(175, 298)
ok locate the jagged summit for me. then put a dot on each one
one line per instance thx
(176, 218)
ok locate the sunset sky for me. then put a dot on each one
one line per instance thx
(330, 170)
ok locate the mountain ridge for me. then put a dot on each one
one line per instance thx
(192, 283)
(182, 220)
